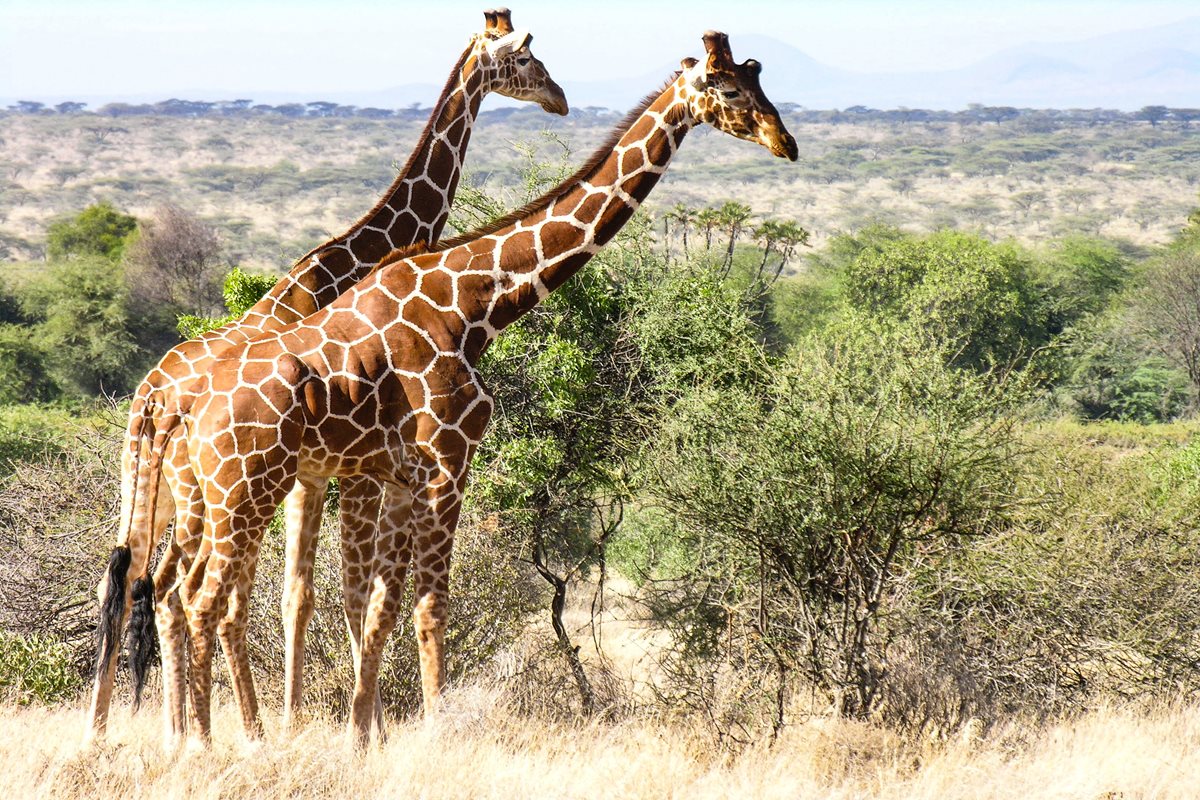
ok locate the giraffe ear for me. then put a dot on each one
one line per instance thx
(509, 43)
(695, 73)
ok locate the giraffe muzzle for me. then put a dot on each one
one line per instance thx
(780, 143)
(556, 102)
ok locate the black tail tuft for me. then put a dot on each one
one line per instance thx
(112, 608)
(142, 639)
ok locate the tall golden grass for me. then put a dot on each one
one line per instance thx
(479, 749)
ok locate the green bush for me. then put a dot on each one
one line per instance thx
(1088, 591)
(24, 374)
(802, 497)
(98, 230)
(954, 287)
(36, 669)
(241, 291)
(29, 432)
(84, 326)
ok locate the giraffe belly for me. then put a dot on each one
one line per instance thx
(375, 458)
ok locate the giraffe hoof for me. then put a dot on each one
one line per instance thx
(197, 745)
(250, 747)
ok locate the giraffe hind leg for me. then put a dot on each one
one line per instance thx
(114, 603)
(169, 581)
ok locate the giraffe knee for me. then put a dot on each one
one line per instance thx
(298, 599)
(430, 615)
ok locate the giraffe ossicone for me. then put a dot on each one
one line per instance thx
(383, 381)
(415, 208)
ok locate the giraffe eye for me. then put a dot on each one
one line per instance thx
(522, 61)
(731, 94)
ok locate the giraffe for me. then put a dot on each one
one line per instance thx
(383, 381)
(414, 208)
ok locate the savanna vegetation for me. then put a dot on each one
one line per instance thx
(820, 512)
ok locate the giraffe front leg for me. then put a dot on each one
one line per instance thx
(392, 554)
(302, 507)
(434, 520)
(430, 613)
(440, 458)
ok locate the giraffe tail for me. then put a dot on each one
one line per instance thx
(142, 636)
(141, 641)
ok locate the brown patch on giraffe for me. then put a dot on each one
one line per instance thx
(413, 354)
(641, 129)
(450, 444)
(418, 312)
(441, 172)
(445, 374)
(631, 161)
(570, 266)
(611, 221)
(314, 400)
(400, 279)
(658, 147)
(513, 305)
(607, 174)
(456, 131)
(256, 372)
(360, 248)
(438, 286)
(475, 345)
(346, 326)
(590, 208)
(475, 423)
(556, 234)
(379, 309)
(481, 246)
(223, 377)
(426, 195)
(517, 249)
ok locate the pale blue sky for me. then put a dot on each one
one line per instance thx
(54, 48)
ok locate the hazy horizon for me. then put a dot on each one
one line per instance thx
(135, 49)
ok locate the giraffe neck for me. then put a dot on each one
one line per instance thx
(414, 208)
(539, 252)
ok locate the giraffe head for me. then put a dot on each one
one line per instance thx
(727, 96)
(512, 69)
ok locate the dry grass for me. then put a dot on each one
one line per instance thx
(478, 749)
(54, 165)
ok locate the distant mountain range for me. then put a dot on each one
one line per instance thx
(1128, 70)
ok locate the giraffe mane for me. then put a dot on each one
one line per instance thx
(408, 251)
(426, 134)
(533, 206)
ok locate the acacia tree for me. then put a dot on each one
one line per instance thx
(798, 494)
(1167, 308)
(684, 217)
(708, 219)
(174, 267)
(782, 234)
(733, 216)
(99, 229)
